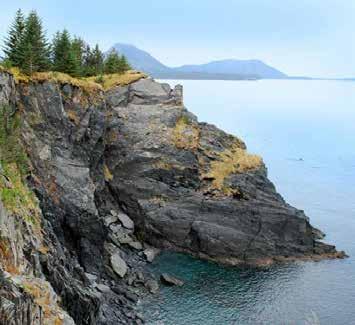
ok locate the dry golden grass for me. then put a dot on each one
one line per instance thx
(90, 84)
(109, 81)
(231, 161)
(7, 257)
(186, 135)
(73, 116)
(41, 293)
(62, 78)
(107, 174)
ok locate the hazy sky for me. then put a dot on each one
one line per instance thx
(300, 37)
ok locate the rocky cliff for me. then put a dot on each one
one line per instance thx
(91, 178)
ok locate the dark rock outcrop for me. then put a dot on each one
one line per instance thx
(170, 280)
(113, 171)
(191, 187)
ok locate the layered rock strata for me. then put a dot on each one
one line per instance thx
(112, 174)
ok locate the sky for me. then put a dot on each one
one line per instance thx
(299, 37)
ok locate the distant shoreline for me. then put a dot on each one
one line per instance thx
(241, 78)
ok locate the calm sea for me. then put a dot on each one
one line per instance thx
(305, 131)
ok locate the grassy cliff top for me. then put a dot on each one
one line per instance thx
(90, 84)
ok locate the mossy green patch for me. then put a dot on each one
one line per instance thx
(14, 193)
(11, 150)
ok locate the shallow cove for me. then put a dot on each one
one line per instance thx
(305, 132)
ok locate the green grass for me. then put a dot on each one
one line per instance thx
(14, 193)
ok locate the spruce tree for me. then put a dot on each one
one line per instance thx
(64, 58)
(87, 69)
(97, 60)
(12, 41)
(123, 65)
(78, 49)
(112, 62)
(33, 50)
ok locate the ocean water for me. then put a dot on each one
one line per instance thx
(305, 132)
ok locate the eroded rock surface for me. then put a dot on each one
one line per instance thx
(191, 187)
(114, 173)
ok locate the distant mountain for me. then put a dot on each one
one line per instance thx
(223, 69)
(241, 67)
(139, 59)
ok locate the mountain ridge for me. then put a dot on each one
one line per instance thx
(231, 69)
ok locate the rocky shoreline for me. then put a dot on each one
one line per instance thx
(115, 174)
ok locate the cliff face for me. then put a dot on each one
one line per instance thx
(116, 171)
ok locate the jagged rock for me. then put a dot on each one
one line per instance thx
(116, 229)
(318, 234)
(103, 287)
(191, 187)
(108, 220)
(91, 277)
(126, 221)
(118, 265)
(150, 253)
(152, 285)
(126, 292)
(121, 237)
(140, 276)
(136, 245)
(170, 280)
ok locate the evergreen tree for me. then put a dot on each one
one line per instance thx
(93, 61)
(115, 63)
(123, 65)
(12, 41)
(87, 69)
(112, 62)
(78, 48)
(97, 60)
(33, 50)
(64, 58)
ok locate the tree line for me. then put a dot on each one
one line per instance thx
(27, 47)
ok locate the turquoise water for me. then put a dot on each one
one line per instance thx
(305, 131)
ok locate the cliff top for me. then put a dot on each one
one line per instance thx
(90, 84)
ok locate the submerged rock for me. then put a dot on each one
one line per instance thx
(150, 253)
(170, 280)
(152, 285)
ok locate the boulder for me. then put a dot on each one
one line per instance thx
(125, 220)
(118, 265)
(109, 219)
(150, 253)
(170, 280)
(136, 245)
(152, 285)
(103, 287)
